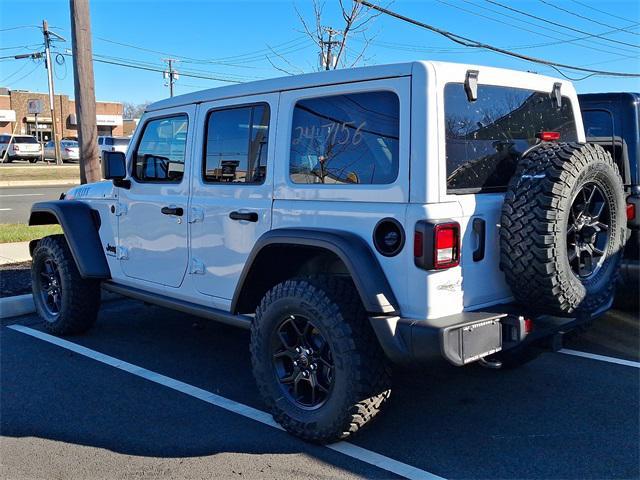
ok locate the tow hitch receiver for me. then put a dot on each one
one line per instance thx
(468, 342)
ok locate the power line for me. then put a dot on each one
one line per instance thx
(160, 70)
(538, 45)
(560, 24)
(476, 44)
(589, 19)
(602, 11)
(24, 76)
(571, 39)
(18, 27)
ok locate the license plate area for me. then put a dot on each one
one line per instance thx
(466, 343)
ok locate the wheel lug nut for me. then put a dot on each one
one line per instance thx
(295, 363)
(305, 374)
(298, 350)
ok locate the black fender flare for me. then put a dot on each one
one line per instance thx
(365, 270)
(80, 224)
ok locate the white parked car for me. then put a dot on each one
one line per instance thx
(69, 151)
(350, 219)
(20, 147)
(112, 144)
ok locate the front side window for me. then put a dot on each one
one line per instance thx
(236, 145)
(161, 152)
(346, 139)
(486, 138)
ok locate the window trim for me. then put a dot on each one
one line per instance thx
(205, 140)
(381, 89)
(492, 189)
(134, 156)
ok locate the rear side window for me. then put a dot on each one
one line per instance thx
(236, 148)
(161, 151)
(598, 124)
(345, 139)
(485, 138)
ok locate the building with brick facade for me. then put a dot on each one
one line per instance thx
(14, 115)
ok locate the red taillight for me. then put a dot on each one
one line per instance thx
(631, 211)
(446, 245)
(418, 244)
(528, 325)
(548, 136)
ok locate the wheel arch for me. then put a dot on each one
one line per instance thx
(80, 225)
(283, 253)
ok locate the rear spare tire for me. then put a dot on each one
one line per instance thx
(563, 229)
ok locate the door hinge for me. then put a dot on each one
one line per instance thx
(197, 267)
(196, 214)
(123, 253)
(121, 209)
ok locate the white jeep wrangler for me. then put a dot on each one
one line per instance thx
(351, 220)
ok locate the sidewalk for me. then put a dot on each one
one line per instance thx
(14, 252)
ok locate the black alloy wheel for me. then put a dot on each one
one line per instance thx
(302, 362)
(51, 287)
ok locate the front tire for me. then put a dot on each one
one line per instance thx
(316, 360)
(66, 302)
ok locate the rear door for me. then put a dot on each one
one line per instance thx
(232, 188)
(484, 140)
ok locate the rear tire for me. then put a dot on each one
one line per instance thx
(66, 302)
(349, 364)
(563, 229)
(33, 160)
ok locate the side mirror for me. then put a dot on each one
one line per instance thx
(114, 167)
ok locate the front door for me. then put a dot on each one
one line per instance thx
(233, 190)
(153, 212)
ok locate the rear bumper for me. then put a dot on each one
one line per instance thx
(468, 336)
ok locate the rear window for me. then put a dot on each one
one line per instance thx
(485, 138)
(24, 140)
(345, 139)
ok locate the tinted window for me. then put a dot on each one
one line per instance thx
(485, 138)
(24, 140)
(345, 139)
(161, 151)
(108, 141)
(597, 123)
(100, 140)
(236, 149)
(68, 144)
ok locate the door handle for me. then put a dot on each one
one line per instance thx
(248, 216)
(178, 211)
(479, 228)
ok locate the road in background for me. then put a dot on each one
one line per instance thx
(15, 202)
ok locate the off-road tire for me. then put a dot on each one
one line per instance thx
(80, 298)
(535, 222)
(362, 373)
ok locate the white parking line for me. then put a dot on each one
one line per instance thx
(600, 358)
(349, 449)
(23, 195)
(5, 209)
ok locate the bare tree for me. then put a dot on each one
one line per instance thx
(133, 110)
(355, 22)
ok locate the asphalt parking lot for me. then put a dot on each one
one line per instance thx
(175, 398)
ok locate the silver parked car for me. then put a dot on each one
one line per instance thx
(20, 147)
(112, 144)
(69, 151)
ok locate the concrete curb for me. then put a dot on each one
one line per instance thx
(23, 304)
(37, 183)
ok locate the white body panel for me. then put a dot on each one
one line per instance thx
(160, 248)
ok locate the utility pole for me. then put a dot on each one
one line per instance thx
(85, 96)
(52, 104)
(327, 61)
(170, 75)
